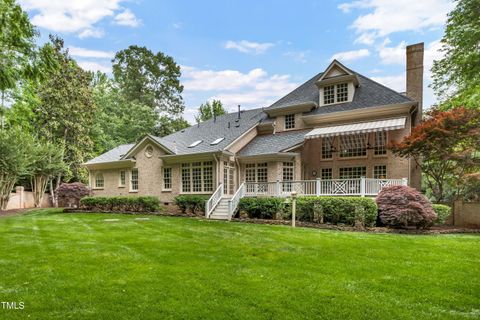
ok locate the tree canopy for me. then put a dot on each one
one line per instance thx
(459, 69)
(446, 145)
(208, 110)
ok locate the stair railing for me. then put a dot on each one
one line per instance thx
(233, 202)
(211, 203)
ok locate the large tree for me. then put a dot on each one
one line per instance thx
(118, 120)
(65, 112)
(459, 69)
(208, 110)
(17, 49)
(15, 160)
(150, 79)
(446, 145)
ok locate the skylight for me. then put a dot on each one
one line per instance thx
(196, 143)
(217, 141)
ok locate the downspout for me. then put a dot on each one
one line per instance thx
(410, 159)
(217, 169)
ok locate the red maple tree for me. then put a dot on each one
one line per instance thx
(446, 146)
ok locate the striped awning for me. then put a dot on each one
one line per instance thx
(356, 128)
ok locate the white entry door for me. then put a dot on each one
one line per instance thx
(228, 178)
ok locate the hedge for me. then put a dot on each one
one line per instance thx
(192, 203)
(442, 211)
(262, 208)
(347, 210)
(121, 204)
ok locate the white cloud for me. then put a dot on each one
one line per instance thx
(351, 55)
(386, 16)
(91, 33)
(396, 83)
(95, 66)
(87, 53)
(249, 46)
(72, 16)
(127, 18)
(251, 89)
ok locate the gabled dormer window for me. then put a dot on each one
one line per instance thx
(335, 93)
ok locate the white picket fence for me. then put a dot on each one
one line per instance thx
(331, 187)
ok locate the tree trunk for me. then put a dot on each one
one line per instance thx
(39, 185)
(6, 186)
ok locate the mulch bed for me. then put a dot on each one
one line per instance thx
(412, 230)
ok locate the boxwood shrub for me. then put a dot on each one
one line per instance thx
(121, 204)
(192, 203)
(442, 211)
(347, 210)
(262, 208)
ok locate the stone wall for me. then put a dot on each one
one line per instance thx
(22, 199)
(465, 214)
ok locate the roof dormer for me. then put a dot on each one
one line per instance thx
(336, 85)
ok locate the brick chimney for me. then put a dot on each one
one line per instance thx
(415, 91)
(415, 78)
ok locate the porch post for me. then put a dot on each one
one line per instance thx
(277, 188)
(317, 187)
(362, 186)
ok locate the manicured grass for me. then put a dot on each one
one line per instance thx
(79, 266)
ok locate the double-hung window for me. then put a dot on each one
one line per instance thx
(167, 178)
(380, 172)
(287, 175)
(256, 172)
(121, 178)
(134, 180)
(327, 147)
(99, 181)
(380, 143)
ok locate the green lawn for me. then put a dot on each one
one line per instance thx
(80, 266)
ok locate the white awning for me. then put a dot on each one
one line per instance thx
(355, 128)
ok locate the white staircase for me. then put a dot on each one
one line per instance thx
(220, 212)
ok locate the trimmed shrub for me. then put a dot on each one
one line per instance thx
(192, 203)
(262, 208)
(442, 211)
(401, 206)
(121, 204)
(69, 194)
(346, 210)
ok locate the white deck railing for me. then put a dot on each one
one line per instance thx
(213, 201)
(331, 187)
(233, 202)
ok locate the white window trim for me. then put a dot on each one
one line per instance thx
(120, 185)
(322, 102)
(131, 181)
(202, 166)
(95, 187)
(163, 179)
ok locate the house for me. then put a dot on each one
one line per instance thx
(328, 136)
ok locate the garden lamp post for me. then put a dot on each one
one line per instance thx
(294, 206)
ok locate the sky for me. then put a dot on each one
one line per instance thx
(250, 53)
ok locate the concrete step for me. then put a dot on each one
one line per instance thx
(219, 217)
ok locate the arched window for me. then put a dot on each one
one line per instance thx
(99, 181)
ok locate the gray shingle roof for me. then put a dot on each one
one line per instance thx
(368, 94)
(209, 131)
(113, 155)
(273, 143)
